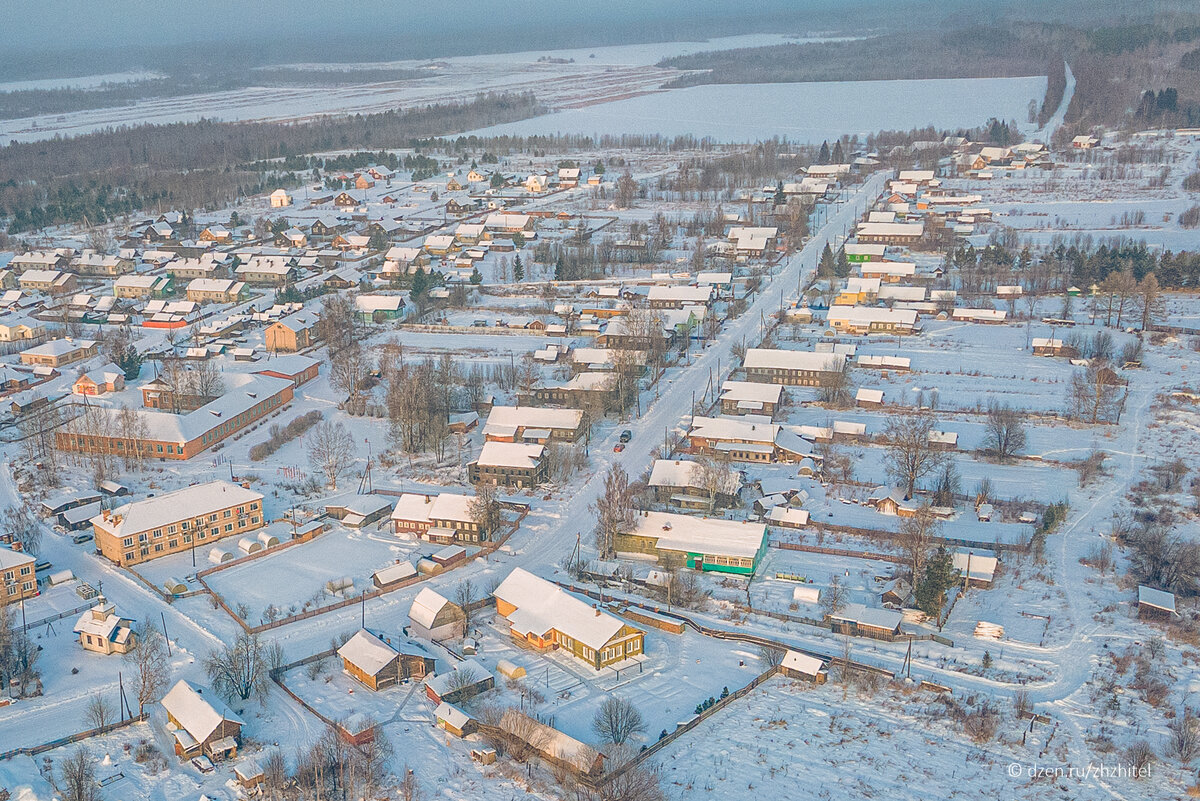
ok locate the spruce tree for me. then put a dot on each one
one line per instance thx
(560, 269)
(780, 199)
(842, 268)
(826, 265)
(939, 577)
(518, 269)
(839, 155)
(823, 156)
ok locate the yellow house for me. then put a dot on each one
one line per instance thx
(103, 631)
(544, 616)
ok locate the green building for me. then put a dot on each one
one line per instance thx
(700, 543)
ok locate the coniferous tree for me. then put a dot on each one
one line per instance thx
(939, 577)
(826, 266)
(839, 155)
(842, 267)
(823, 156)
(518, 269)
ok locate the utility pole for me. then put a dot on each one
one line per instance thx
(166, 636)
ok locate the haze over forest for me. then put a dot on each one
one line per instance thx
(64, 38)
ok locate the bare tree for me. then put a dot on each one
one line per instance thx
(837, 389)
(833, 600)
(617, 720)
(23, 527)
(1004, 436)
(239, 670)
(148, 656)
(330, 450)
(626, 190)
(77, 776)
(485, 510)
(526, 737)
(1150, 301)
(1183, 739)
(464, 597)
(910, 454)
(1095, 394)
(614, 510)
(717, 478)
(638, 783)
(773, 657)
(409, 787)
(98, 713)
(916, 535)
(348, 368)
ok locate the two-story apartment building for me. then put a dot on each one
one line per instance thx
(176, 521)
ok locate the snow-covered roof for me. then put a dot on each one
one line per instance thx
(367, 652)
(542, 605)
(983, 568)
(734, 429)
(706, 535)
(773, 359)
(184, 504)
(199, 711)
(785, 515)
(452, 715)
(869, 616)
(511, 454)
(865, 395)
(532, 416)
(396, 572)
(802, 663)
(1156, 598)
(441, 682)
(751, 391)
(685, 473)
(680, 294)
(60, 347)
(372, 303)
(425, 607)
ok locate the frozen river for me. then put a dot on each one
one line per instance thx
(803, 112)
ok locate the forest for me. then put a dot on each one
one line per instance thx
(1115, 66)
(204, 164)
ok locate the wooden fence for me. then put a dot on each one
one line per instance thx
(79, 610)
(484, 550)
(33, 750)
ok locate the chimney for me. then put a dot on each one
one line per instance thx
(16, 546)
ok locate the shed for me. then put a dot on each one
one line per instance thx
(109, 487)
(249, 774)
(60, 577)
(393, 574)
(175, 586)
(454, 720)
(796, 665)
(1155, 604)
(450, 555)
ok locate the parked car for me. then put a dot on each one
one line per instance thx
(620, 446)
(79, 539)
(626, 435)
(38, 567)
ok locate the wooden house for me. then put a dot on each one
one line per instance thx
(378, 664)
(433, 617)
(203, 724)
(544, 616)
(796, 665)
(454, 720)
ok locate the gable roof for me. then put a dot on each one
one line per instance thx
(367, 652)
(542, 606)
(425, 607)
(199, 711)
